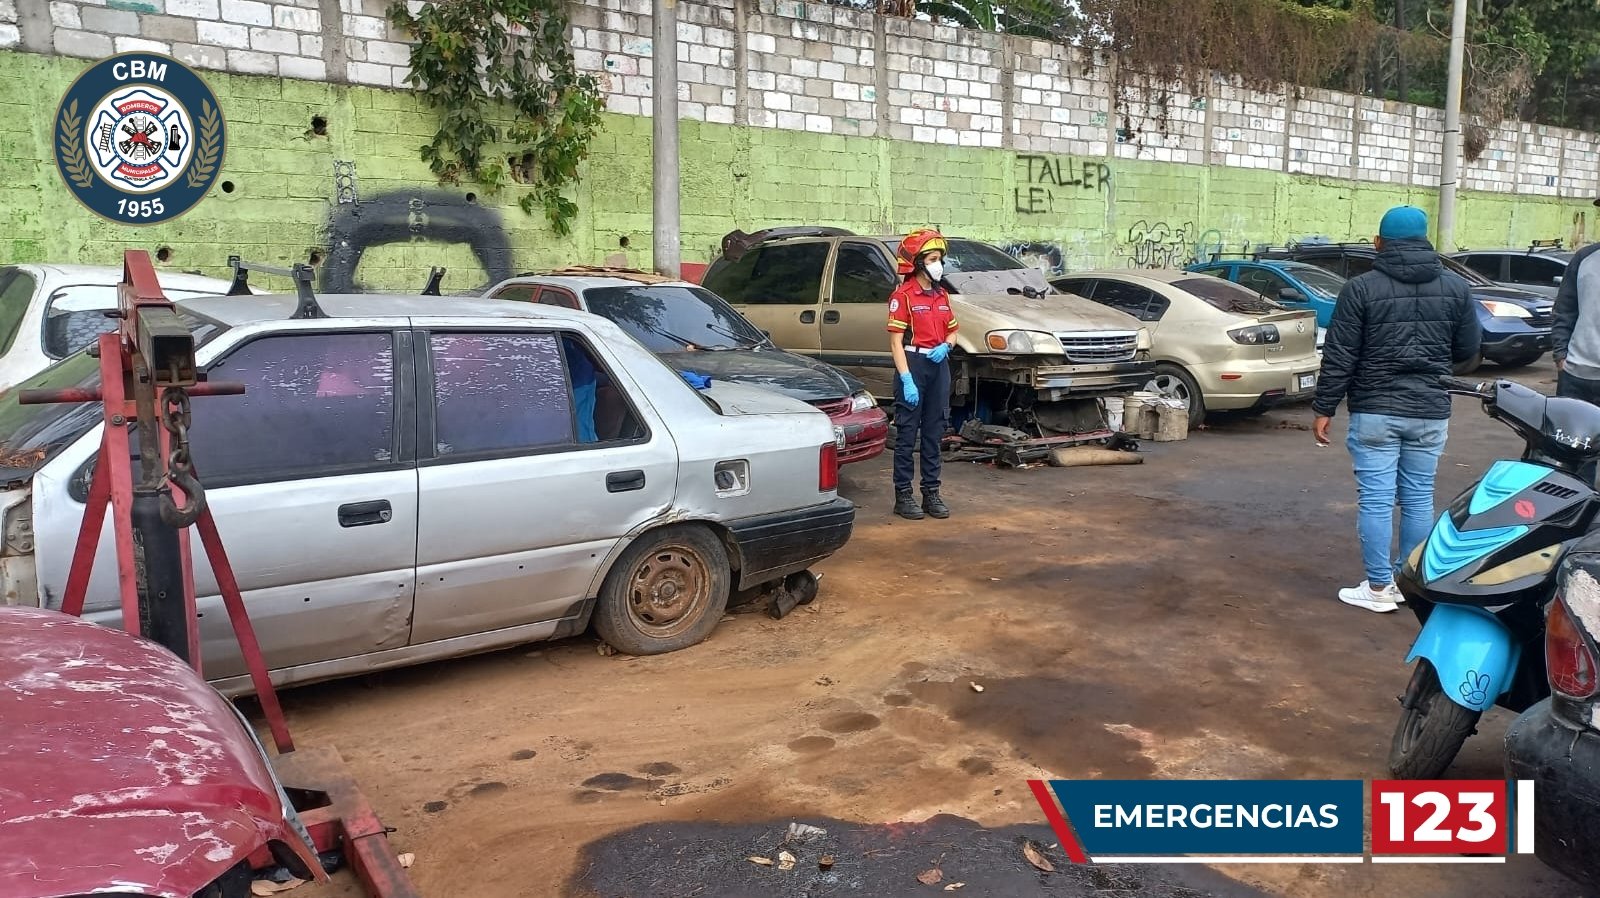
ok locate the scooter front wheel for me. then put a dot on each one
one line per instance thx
(1431, 730)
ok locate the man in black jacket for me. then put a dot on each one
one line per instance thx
(1395, 331)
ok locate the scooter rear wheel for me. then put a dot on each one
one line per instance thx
(1431, 730)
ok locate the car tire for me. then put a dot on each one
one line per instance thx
(1520, 361)
(1462, 369)
(1172, 382)
(1431, 731)
(665, 593)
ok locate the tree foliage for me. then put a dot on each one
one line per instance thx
(511, 104)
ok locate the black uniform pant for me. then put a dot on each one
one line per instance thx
(925, 420)
(1575, 387)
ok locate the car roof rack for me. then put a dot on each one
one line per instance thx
(736, 243)
(607, 271)
(300, 273)
(435, 281)
(1545, 246)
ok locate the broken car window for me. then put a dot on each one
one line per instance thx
(666, 318)
(499, 392)
(1227, 296)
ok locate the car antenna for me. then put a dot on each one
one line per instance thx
(435, 281)
(306, 305)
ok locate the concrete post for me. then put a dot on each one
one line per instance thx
(666, 242)
(1450, 173)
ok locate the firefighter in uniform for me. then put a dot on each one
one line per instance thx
(922, 331)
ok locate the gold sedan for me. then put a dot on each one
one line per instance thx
(1217, 346)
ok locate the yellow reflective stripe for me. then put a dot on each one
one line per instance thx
(898, 325)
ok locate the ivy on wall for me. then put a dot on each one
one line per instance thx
(512, 106)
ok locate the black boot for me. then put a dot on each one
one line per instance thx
(905, 505)
(933, 505)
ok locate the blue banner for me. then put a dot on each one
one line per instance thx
(1171, 817)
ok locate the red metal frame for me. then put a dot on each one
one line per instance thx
(339, 816)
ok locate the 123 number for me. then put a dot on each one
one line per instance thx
(141, 208)
(1483, 825)
(1453, 817)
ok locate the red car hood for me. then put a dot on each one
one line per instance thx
(120, 769)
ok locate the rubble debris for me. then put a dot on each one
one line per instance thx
(786, 860)
(930, 876)
(1036, 858)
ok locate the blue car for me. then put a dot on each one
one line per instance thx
(1293, 285)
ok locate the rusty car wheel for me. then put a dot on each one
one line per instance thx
(667, 592)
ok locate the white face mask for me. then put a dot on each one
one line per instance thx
(935, 270)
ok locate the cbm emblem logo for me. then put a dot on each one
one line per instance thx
(139, 138)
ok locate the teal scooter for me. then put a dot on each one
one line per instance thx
(1480, 582)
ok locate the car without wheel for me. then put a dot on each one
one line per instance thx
(48, 312)
(407, 479)
(694, 330)
(1024, 356)
(1218, 346)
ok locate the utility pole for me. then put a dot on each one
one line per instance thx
(1451, 169)
(664, 145)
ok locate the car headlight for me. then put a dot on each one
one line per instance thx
(1023, 342)
(1504, 309)
(1144, 339)
(861, 401)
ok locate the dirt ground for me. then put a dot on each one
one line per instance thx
(1174, 619)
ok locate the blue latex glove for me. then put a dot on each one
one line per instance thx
(937, 353)
(698, 381)
(908, 390)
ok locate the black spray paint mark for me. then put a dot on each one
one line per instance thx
(406, 216)
(1050, 177)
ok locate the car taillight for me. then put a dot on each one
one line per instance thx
(828, 468)
(1255, 334)
(1567, 658)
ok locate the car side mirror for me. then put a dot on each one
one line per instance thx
(1556, 280)
(1290, 294)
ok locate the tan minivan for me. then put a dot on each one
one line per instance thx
(1026, 356)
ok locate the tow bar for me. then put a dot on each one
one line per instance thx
(147, 377)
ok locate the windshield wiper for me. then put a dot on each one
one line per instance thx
(719, 330)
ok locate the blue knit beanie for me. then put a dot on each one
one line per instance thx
(1402, 222)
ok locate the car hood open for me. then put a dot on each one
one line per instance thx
(792, 375)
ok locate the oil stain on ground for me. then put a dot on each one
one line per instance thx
(707, 860)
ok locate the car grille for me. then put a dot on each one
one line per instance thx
(1543, 316)
(1110, 346)
(833, 407)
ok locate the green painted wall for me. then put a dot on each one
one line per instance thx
(283, 189)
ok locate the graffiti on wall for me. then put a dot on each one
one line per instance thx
(1160, 245)
(1047, 257)
(1043, 181)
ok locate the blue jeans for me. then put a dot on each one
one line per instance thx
(1393, 454)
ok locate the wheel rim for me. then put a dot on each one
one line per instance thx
(1412, 724)
(668, 591)
(1169, 386)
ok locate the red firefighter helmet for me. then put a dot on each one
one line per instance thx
(915, 244)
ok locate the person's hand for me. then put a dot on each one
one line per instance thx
(908, 389)
(938, 353)
(1320, 429)
(1561, 363)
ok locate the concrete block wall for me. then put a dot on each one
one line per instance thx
(1321, 134)
(1382, 142)
(1247, 127)
(1060, 100)
(1160, 122)
(1496, 169)
(1427, 146)
(813, 69)
(1539, 159)
(1580, 165)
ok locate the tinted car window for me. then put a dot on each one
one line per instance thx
(1319, 280)
(517, 292)
(1353, 265)
(862, 274)
(970, 255)
(1130, 298)
(76, 316)
(495, 392)
(1263, 282)
(1485, 264)
(1535, 270)
(1077, 286)
(774, 273)
(1227, 296)
(670, 319)
(16, 292)
(31, 435)
(313, 404)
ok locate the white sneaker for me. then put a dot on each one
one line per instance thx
(1382, 600)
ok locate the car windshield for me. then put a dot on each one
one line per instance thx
(1228, 296)
(31, 435)
(970, 256)
(1471, 277)
(668, 318)
(1319, 280)
(76, 315)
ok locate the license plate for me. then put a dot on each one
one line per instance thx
(1307, 381)
(838, 436)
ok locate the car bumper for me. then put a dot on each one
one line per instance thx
(777, 545)
(1055, 382)
(865, 434)
(1517, 339)
(1255, 383)
(1564, 763)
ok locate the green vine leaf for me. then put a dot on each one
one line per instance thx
(70, 130)
(512, 106)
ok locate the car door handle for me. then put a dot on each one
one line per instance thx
(361, 514)
(624, 481)
(830, 317)
(808, 316)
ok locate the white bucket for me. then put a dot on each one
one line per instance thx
(1113, 410)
